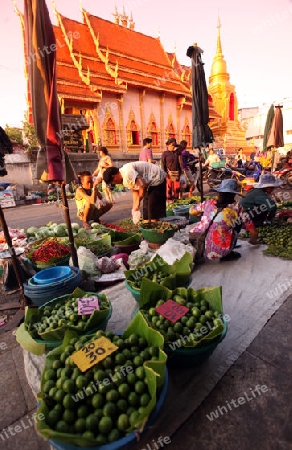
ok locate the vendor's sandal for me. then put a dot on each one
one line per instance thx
(232, 256)
(86, 226)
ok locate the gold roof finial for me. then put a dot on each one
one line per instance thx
(55, 7)
(131, 22)
(219, 47)
(15, 7)
(116, 16)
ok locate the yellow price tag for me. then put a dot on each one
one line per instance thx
(93, 353)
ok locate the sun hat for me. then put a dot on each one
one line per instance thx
(267, 180)
(228, 185)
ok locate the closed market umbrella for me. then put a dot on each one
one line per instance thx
(276, 135)
(268, 124)
(202, 134)
(53, 163)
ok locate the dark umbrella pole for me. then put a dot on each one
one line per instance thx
(69, 227)
(15, 263)
(202, 134)
(201, 175)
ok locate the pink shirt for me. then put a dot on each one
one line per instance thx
(146, 154)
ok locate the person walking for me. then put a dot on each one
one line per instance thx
(185, 159)
(146, 154)
(105, 161)
(147, 183)
(86, 196)
(170, 165)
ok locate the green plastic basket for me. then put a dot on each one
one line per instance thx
(218, 165)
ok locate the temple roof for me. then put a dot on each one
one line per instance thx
(104, 56)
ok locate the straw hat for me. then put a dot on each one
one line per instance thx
(267, 180)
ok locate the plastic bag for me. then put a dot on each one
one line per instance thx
(86, 261)
(173, 250)
(138, 258)
(106, 265)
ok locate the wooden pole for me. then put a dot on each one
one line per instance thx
(69, 227)
(15, 263)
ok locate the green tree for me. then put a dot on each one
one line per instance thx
(14, 134)
(29, 133)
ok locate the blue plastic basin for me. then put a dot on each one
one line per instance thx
(53, 274)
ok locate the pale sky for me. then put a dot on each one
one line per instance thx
(256, 38)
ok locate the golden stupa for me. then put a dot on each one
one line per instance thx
(227, 130)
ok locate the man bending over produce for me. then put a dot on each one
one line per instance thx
(147, 182)
(86, 196)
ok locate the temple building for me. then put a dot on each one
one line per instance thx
(117, 86)
(227, 129)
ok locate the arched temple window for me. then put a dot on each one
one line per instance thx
(109, 129)
(133, 130)
(170, 130)
(152, 130)
(186, 133)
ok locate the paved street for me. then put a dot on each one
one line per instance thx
(40, 214)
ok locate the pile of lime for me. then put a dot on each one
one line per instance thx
(198, 322)
(105, 402)
(278, 237)
(156, 277)
(59, 314)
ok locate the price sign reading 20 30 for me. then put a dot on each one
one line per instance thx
(172, 310)
(93, 352)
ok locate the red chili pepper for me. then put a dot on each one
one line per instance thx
(48, 250)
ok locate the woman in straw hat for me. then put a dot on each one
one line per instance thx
(222, 218)
(258, 203)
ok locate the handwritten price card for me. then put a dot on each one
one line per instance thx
(93, 353)
(172, 310)
(86, 305)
